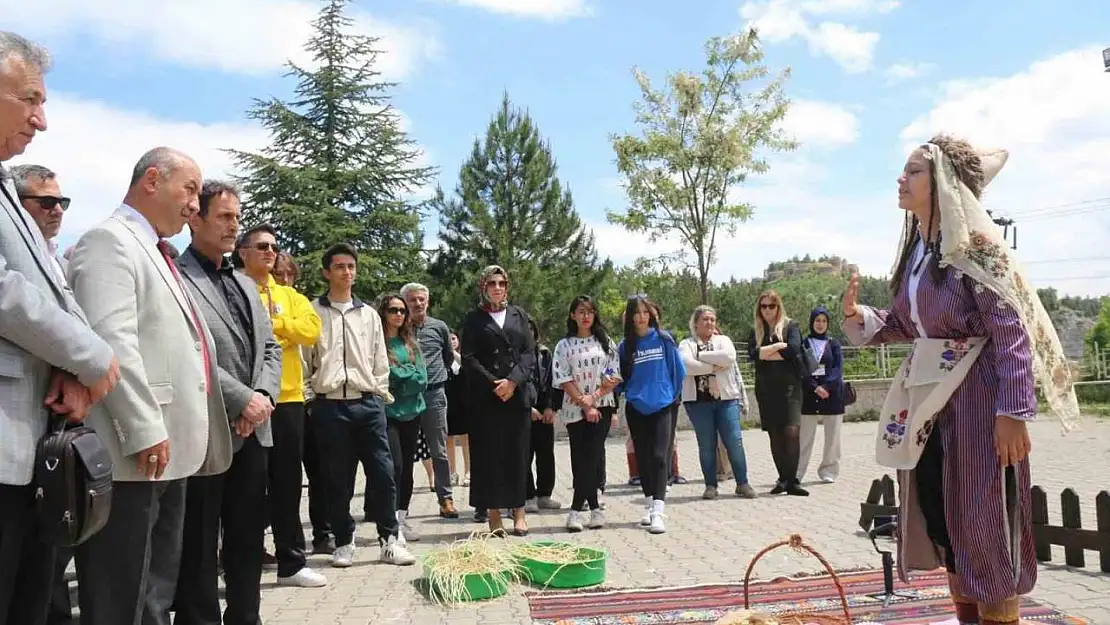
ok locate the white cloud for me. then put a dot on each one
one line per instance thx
(821, 124)
(900, 72)
(851, 48)
(94, 160)
(1052, 118)
(545, 9)
(246, 36)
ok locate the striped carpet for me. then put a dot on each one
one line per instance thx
(927, 603)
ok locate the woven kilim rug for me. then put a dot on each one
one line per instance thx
(925, 601)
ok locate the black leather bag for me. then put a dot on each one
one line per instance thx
(73, 483)
(849, 394)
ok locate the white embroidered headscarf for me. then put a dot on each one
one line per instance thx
(972, 243)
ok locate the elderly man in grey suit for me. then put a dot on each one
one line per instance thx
(249, 360)
(166, 421)
(49, 357)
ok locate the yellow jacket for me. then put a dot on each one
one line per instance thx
(296, 324)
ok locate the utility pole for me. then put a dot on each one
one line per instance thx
(1006, 224)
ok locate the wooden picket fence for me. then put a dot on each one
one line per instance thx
(881, 502)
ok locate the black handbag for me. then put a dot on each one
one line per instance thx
(73, 483)
(849, 394)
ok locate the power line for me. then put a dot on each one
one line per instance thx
(1056, 207)
(1066, 260)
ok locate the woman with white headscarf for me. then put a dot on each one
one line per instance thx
(499, 355)
(954, 422)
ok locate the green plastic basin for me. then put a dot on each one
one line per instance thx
(588, 572)
(479, 586)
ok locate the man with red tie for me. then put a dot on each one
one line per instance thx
(166, 421)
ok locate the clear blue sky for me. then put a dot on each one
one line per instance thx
(870, 78)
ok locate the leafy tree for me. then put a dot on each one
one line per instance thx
(338, 167)
(1099, 335)
(509, 208)
(699, 142)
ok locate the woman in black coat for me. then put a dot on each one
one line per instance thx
(773, 347)
(823, 399)
(499, 356)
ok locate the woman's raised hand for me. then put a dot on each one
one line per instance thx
(850, 301)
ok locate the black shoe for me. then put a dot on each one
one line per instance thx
(481, 516)
(795, 488)
(780, 488)
(323, 546)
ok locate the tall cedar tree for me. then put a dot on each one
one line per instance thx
(509, 208)
(701, 138)
(338, 168)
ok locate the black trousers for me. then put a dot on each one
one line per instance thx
(127, 572)
(541, 481)
(285, 479)
(651, 438)
(317, 485)
(235, 500)
(403, 436)
(587, 448)
(348, 431)
(26, 563)
(929, 478)
(674, 430)
(61, 604)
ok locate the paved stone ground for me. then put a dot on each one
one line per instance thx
(706, 541)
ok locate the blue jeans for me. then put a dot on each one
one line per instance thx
(718, 418)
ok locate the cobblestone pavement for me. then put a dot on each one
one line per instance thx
(706, 541)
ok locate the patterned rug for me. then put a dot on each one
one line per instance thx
(923, 602)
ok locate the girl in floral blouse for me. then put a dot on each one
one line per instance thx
(587, 369)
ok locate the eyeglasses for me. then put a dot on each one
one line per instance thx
(394, 310)
(266, 246)
(768, 306)
(498, 283)
(48, 202)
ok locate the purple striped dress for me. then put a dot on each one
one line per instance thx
(1000, 382)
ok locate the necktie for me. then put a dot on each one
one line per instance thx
(164, 248)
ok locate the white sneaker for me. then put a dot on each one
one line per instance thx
(466, 480)
(547, 503)
(344, 556)
(828, 479)
(597, 519)
(656, 526)
(646, 519)
(395, 553)
(304, 578)
(574, 521)
(531, 506)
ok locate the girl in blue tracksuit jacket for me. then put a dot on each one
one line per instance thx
(652, 375)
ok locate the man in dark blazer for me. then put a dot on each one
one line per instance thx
(249, 362)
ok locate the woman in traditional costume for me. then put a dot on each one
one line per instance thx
(954, 422)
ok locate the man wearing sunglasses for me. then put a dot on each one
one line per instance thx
(38, 191)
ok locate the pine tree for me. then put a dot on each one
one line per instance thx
(509, 208)
(338, 168)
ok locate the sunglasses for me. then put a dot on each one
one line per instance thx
(395, 310)
(768, 306)
(265, 246)
(48, 202)
(498, 283)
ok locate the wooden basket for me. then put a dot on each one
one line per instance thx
(795, 542)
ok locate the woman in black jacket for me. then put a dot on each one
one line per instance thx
(499, 356)
(823, 399)
(773, 347)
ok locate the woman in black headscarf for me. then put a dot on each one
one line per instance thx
(822, 399)
(499, 355)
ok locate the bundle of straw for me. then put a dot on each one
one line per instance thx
(552, 553)
(447, 569)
